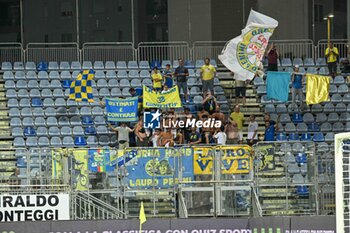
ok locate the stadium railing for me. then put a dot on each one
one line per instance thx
(149, 51)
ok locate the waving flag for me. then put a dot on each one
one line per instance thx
(317, 88)
(81, 87)
(243, 54)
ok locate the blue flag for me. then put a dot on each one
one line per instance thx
(122, 110)
(277, 85)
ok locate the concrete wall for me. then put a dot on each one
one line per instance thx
(291, 15)
(189, 20)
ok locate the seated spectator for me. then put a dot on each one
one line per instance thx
(202, 112)
(231, 131)
(14, 179)
(195, 137)
(179, 138)
(221, 136)
(166, 138)
(209, 103)
(157, 80)
(165, 89)
(168, 76)
(253, 126)
(186, 131)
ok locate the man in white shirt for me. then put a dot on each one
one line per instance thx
(123, 134)
(253, 126)
(221, 136)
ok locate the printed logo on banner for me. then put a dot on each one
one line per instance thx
(151, 120)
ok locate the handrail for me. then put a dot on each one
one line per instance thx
(100, 203)
(257, 203)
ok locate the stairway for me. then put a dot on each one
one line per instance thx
(7, 155)
(86, 206)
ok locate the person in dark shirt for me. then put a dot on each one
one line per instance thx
(195, 137)
(14, 180)
(168, 76)
(272, 57)
(181, 74)
(209, 103)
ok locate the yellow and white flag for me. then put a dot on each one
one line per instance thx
(317, 88)
(243, 54)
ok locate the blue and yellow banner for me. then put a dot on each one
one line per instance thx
(234, 159)
(80, 173)
(122, 110)
(102, 160)
(81, 87)
(166, 99)
(156, 167)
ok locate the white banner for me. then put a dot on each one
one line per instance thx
(34, 207)
(243, 54)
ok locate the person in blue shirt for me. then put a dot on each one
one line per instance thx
(271, 127)
(297, 87)
(168, 76)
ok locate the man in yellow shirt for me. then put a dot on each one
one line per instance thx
(238, 118)
(157, 80)
(208, 73)
(331, 55)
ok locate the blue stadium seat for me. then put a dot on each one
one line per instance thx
(66, 83)
(302, 190)
(301, 158)
(313, 127)
(318, 137)
(305, 137)
(293, 137)
(79, 141)
(90, 130)
(155, 64)
(36, 102)
(86, 120)
(42, 66)
(189, 64)
(297, 117)
(29, 131)
(281, 137)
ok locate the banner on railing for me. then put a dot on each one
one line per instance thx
(157, 167)
(80, 173)
(167, 99)
(265, 154)
(15, 208)
(57, 163)
(234, 159)
(122, 110)
(102, 160)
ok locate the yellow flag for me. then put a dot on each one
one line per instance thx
(166, 99)
(317, 88)
(142, 215)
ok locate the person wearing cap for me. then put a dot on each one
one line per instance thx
(157, 80)
(297, 87)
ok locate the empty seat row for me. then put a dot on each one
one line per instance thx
(61, 111)
(317, 137)
(66, 141)
(309, 117)
(299, 61)
(100, 65)
(53, 121)
(316, 108)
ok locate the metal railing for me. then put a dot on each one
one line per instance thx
(11, 52)
(52, 52)
(108, 51)
(150, 51)
(86, 206)
(342, 45)
(294, 48)
(160, 51)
